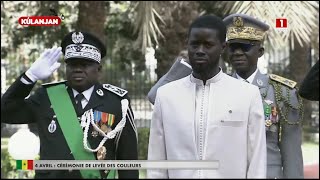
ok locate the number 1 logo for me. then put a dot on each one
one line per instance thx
(281, 23)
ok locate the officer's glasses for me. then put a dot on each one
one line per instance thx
(244, 47)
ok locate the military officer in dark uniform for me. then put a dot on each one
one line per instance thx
(282, 106)
(78, 119)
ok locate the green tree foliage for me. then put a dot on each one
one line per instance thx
(177, 16)
(21, 45)
(124, 56)
(92, 17)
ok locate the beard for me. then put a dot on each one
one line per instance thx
(200, 68)
(205, 70)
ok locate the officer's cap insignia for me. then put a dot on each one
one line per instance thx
(283, 80)
(237, 21)
(77, 38)
(244, 27)
(82, 45)
(120, 92)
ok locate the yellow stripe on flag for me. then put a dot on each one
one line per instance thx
(24, 164)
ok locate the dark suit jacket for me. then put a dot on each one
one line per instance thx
(309, 88)
(15, 109)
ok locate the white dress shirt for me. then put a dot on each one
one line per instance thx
(250, 78)
(87, 94)
(202, 103)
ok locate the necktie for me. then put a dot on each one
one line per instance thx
(79, 109)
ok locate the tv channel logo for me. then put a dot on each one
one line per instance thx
(281, 23)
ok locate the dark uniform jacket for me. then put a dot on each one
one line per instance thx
(309, 88)
(16, 109)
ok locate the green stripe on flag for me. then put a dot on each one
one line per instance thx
(19, 164)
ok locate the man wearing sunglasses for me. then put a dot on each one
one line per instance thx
(283, 108)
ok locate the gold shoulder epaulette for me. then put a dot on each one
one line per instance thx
(283, 80)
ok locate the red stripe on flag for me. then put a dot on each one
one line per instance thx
(30, 164)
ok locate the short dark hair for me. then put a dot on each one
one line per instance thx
(210, 22)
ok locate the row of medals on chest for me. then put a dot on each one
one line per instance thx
(271, 114)
(102, 152)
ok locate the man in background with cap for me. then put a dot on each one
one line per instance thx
(283, 108)
(78, 119)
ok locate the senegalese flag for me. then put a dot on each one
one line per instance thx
(24, 164)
